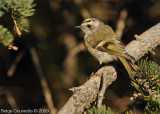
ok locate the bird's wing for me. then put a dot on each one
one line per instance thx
(104, 41)
(110, 48)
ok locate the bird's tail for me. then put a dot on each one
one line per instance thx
(128, 66)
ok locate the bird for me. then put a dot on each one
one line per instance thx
(102, 42)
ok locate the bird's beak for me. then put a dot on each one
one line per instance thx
(78, 27)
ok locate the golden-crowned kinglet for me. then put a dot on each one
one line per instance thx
(102, 43)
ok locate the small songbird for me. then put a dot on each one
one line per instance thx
(102, 42)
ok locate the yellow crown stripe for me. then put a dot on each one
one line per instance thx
(87, 19)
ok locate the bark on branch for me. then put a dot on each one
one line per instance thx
(84, 95)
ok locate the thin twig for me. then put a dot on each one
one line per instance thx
(46, 90)
(15, 23)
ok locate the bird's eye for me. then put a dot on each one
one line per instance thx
(88, 26)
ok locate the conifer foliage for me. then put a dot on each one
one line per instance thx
(19, 10)
(148, 85)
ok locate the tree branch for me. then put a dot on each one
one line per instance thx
(145, 42)
(109, 75)
(82, 97)
(87, 93)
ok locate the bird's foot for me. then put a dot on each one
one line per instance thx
(93, 74)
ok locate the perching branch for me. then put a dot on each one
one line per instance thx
(86, 94)
(145, 42)
(109, 75)
(82, 97)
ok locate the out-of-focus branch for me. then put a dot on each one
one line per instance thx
(11, 99)
(82, 96)
(85, 13)
(121, 23)
(70, 63)
(14, 64)
(46, 90)
(80, 47)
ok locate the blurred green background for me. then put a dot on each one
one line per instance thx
(63, 58)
